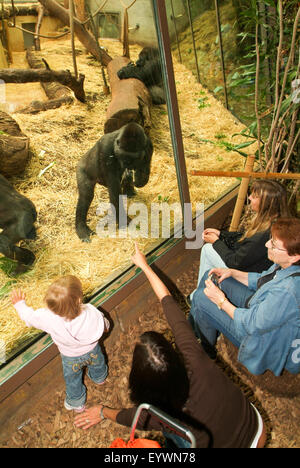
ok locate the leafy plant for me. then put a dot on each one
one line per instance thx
(202, 103)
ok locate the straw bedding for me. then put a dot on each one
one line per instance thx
(60, 137)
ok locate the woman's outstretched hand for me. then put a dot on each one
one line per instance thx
(139, 258)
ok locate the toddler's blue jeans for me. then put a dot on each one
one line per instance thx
(73, 367)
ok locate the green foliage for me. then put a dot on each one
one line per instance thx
(6, 288)
(221, 143)
(202, 103)
(7, 265)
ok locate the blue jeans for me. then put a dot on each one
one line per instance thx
(180, 442)
(209, 259)
(73, 374)
(207, 319)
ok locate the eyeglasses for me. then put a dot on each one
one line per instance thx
(273, 246)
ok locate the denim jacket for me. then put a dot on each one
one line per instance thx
(271, 324)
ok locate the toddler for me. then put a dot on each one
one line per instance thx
(75, 328)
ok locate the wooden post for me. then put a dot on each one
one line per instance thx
(242, 195)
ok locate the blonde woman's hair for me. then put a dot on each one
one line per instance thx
(272, 205)
(64, 297)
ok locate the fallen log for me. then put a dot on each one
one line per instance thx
(10, 75)
(14, 147)
(130, 101)
(55, 89)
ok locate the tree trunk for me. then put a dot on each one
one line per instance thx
(83, 35)
(14, 147)
(130, 102)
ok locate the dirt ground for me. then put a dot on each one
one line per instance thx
(50, 425)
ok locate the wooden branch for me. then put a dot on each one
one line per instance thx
(254, 175)
(130, 102)
(83, 35)
(40, 106)
(10, 75)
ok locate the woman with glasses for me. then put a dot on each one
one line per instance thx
(246, 249)
(258, 313)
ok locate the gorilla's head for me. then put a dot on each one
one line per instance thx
(130, 145)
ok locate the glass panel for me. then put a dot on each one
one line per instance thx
(58, 140)
(209, 131)
(239, 59)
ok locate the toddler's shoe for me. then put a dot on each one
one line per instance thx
(78, 409)
(97, 383)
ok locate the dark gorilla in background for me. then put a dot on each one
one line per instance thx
(17, 218)
(148, 70)
(119, 160)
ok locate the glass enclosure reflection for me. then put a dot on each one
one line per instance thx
(205, 41)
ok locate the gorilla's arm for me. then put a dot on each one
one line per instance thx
(17, 218)
(9, 250)
(22, 226)
(86, 188)
(142, 172)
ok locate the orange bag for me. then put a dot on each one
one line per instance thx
(147, 443)
(135, 443)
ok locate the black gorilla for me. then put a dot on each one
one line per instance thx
(17, 218)
(112, 162)
(148, 70)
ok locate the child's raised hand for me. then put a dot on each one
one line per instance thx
(139, 258)
(17, 295)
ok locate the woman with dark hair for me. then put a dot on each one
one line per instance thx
(187, 385)
(258, 313)
(245, 249)
(158, 373)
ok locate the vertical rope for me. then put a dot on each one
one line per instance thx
(71, 14)
(126, 52)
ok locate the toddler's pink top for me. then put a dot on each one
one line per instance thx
(72, 337)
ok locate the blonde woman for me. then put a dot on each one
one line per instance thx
(246, 250)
